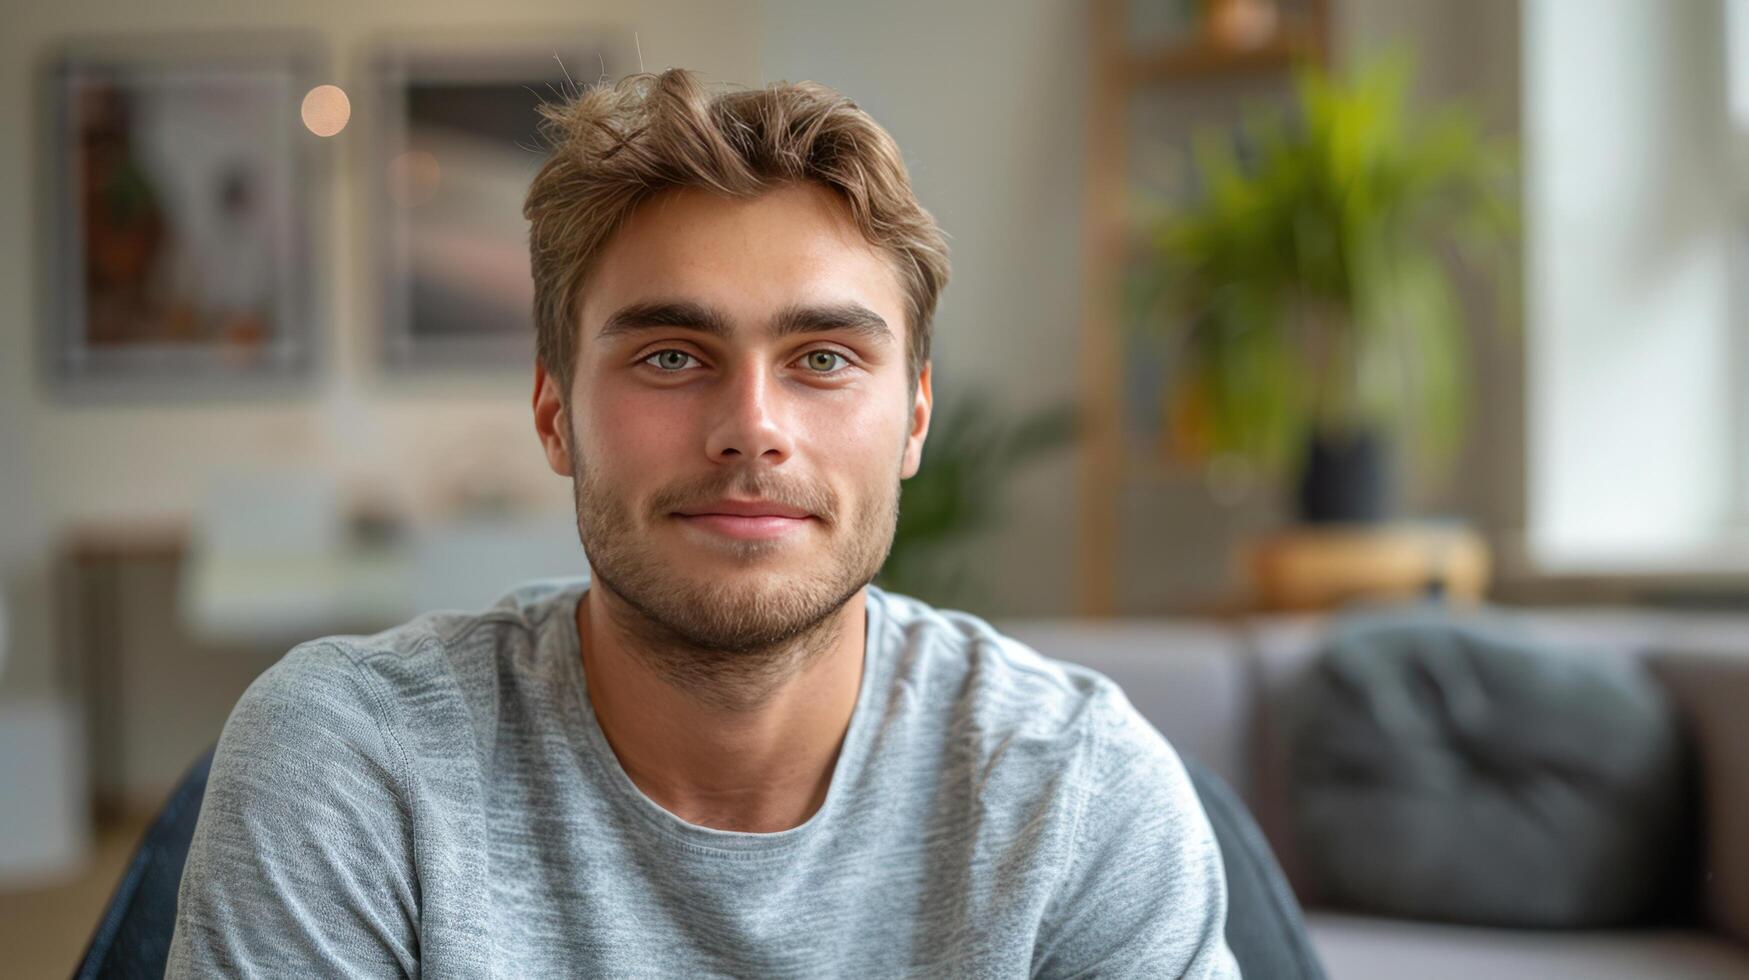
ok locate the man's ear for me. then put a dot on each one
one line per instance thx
(921, 407)
(551, 423)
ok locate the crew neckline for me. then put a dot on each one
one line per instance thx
(607, 765)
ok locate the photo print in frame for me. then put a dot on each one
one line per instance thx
(460, 145)
(178, 214)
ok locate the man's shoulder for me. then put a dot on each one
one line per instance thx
(435, 645)
(960, 664)
(439, 671)
(520, 617)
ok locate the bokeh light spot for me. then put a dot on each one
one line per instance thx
(326, 110)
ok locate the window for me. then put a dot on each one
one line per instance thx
(1637, 235)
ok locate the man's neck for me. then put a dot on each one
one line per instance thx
(758, 767)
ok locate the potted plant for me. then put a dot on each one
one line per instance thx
(1308, 286)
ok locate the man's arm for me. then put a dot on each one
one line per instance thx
(1144, 892)
(302, 858)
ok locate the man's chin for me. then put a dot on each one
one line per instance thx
(741, 620)
(746, 593)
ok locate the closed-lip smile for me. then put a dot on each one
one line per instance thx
(747, 520)
(745, 508)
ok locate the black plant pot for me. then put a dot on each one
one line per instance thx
(1345, 478)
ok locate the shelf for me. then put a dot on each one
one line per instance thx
(1119, 67)
(1324, 567)
(1188, 60)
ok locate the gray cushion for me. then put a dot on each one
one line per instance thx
(1457, 771)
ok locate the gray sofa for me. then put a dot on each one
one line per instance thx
(1215, 689)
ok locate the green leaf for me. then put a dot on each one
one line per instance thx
(1310, 282)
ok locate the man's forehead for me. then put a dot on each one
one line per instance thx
(784, 262)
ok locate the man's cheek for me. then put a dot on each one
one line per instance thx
(629, 425)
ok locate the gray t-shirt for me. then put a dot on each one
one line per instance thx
(439, 800)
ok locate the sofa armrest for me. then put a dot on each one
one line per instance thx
(1710, 688)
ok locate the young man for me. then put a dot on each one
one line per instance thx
(725, 753)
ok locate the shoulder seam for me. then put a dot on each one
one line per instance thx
(481, 619)
(391, 739)
(364, 653)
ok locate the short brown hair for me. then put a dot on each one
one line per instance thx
(614, 146)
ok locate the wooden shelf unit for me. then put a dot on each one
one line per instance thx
(1119, 71)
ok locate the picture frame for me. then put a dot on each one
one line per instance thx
(178, 214)
(459, 144)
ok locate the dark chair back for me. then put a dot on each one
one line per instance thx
(1265, 930)
(133, 937)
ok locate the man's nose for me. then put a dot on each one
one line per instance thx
(751, 418)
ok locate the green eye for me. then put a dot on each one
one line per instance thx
(821, 361)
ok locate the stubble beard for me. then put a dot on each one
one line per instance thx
(731, 641)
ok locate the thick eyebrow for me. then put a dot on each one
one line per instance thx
(853, 317)
(648, 316)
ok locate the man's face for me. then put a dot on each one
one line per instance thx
(739, 358)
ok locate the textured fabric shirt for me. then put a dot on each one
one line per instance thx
(439, 800)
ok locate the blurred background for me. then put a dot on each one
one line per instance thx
(1261, 310)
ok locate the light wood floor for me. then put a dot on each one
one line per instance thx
(44, 930)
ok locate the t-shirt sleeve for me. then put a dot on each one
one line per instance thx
(302, 857)
(1144, 893)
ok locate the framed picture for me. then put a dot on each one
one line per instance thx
(460, 144)
(178, 212)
